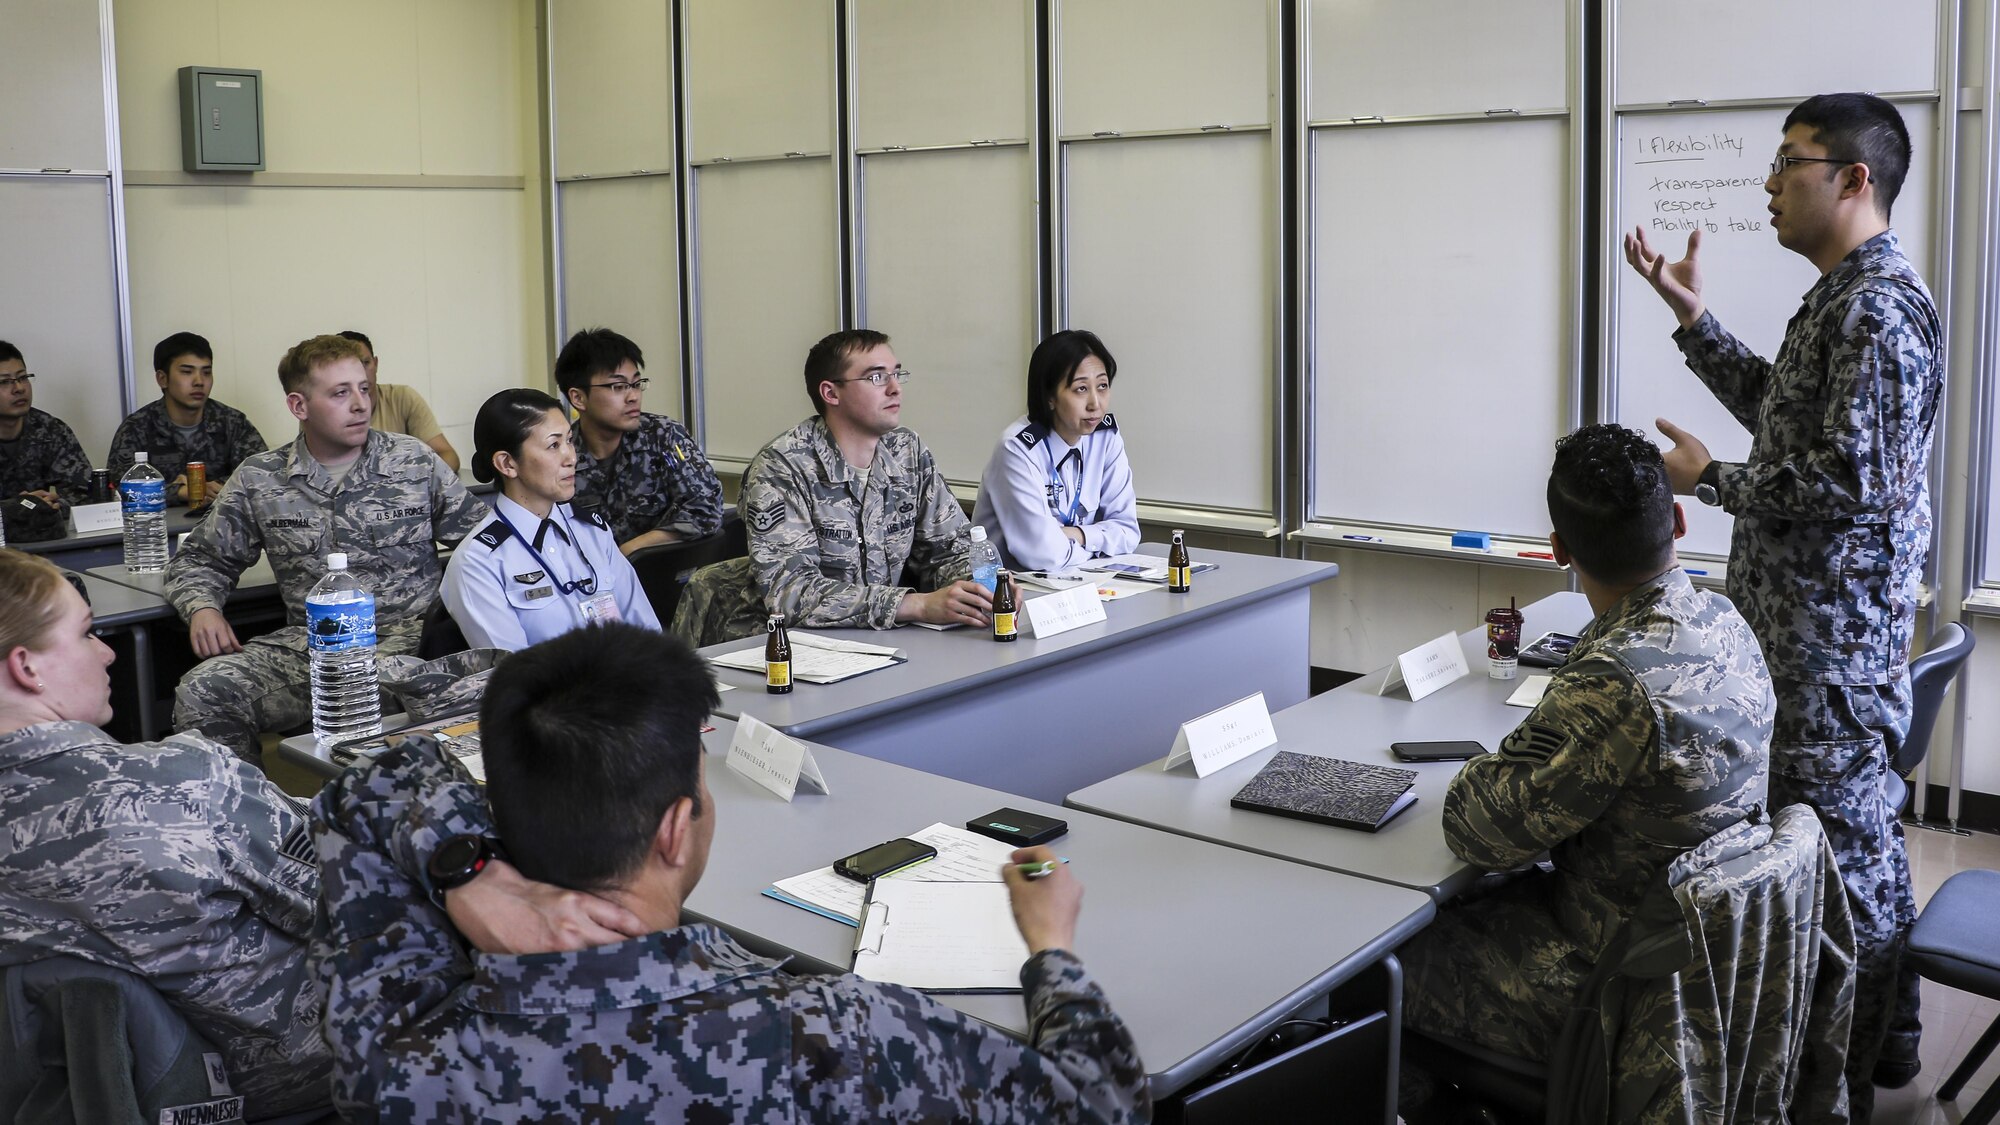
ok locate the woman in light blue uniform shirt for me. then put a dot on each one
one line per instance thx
(1058, 490)
(539, 569)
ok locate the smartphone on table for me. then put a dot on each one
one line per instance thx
(870, 864)
(1461, 751)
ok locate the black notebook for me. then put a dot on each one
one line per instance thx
(1329, 791)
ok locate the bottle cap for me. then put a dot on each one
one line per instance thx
(337, 561)
(978, 533)
(1178, 533)
(139, 458)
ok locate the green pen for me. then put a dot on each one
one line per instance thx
(1040, 870)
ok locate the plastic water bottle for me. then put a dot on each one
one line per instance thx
(985, 560)
(142, 493)
(340, 641)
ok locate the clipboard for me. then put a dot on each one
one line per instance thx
(939, 937)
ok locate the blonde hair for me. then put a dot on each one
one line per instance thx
(295, 370)
(28, 605)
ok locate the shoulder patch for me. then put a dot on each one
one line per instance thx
(298, 846)
(1534, 742)
(493, 534)
(1110, 422)
(763, 518)
(596, 516)
(1032, 434)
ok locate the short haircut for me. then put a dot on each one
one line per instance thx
(1860, 127)
(503, 423)
(9, 351)
(1054, 361)
(180, 344)
(826, 359)
(28, 610)
(359, 338)
(1611, 502)
(593, 352)
(295, 370)
(588, 739)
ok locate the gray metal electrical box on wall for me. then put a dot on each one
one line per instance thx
(222, 119)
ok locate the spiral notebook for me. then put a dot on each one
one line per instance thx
(939, 937)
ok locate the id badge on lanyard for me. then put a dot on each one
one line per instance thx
(599, 609)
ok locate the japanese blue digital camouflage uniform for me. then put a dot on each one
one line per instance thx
(680, 1025)
(46, 455)
(1833, 526)
(396, 500)
(177, 862)
(656, 480)
(1650, 740)
(225, 440)
(826, 548)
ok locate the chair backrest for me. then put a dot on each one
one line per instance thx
(441, 635)
(663, 570)
(1930, 675)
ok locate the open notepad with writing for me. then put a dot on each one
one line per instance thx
(817, 659)
(939, 937)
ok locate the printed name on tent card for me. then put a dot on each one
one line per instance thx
(1059, 613)
(1224, 736)
(772, 759)
(1427, 667)
(89, 519)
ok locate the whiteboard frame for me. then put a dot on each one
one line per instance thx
(1984, 585)
(1419, 538)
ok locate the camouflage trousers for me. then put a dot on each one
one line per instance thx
(1495, 969)
(1830, 749)
(268, 686)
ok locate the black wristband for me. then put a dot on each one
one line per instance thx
(458, 861)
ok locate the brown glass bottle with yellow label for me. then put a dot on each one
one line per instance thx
(1180, 572)
(1005, 627)
(777, 657)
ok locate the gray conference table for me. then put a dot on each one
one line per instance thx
(1202, 950)
(101, 548)
(257, 582)
(118, 608)
(1355, 723)
(1046, 717)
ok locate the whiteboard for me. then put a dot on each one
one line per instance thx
(619, 272)
(1169, 244)
(62, 302)
(613, 76)
(1163, 64)
(760, 77)
(1369, 58)
(930, 73)
(764, 277)
(52, 85)
(1751, 284)
(1724, 49)
(948, 270)
(1441, 365)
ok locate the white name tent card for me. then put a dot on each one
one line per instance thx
(1224, 736)
(1059, 613)
(772, 759)
(1427, 667)
(88, 519)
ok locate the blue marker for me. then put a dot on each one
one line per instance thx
(1692, 570)
(1365, 538)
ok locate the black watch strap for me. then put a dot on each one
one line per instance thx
(1711, 475)
(459, 860)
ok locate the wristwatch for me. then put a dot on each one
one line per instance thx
(458, 861)
(1704, 489)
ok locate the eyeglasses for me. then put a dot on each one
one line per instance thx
(621, 387)
(879, 376)
(9, 382)
(1781, 162)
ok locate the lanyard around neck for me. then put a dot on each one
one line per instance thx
(1056, 485)
(587, 585)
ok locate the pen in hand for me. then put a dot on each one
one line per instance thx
(1037, 870)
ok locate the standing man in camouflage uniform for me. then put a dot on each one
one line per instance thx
(1833, 518)
(595, 781)
(39, 455)
(848, 515)
(384, 499)
(1647, 742)
(642, 472)
(184, 424)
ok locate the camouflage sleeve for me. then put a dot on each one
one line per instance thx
(1080, 1066)
(785, 555)
(264, 843)
(123, 444)
(219, 549)
(1859, 455)
(455, 511)
(387, 956)
(1556, 772)
(69, 473)
(1733, 373)
(940, 547)
(245, 442)
(695, 507)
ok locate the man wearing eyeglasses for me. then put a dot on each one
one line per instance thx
(39, 453)
(851, 523)
(642, 472)
(1833, 518)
